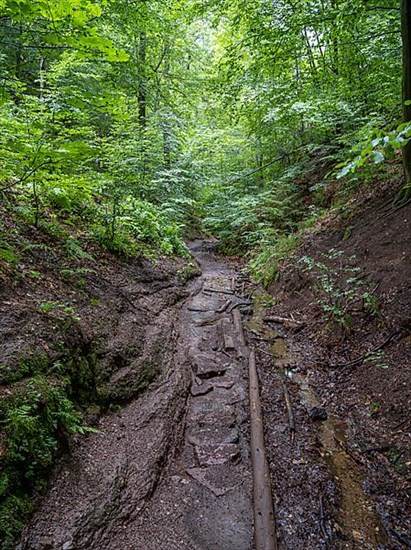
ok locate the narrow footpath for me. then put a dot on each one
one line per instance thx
(172, 469)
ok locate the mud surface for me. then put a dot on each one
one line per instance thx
(346, 480)
(171, 469)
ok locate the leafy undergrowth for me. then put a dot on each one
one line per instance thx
(267, 225)
(75, 304)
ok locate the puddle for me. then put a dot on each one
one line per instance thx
(357, 518)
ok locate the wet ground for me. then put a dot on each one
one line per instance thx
(172, 468)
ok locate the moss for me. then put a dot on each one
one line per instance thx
(136, 380)
(188, 272)
(35, 362)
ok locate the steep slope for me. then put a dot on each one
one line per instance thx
(346, 363)
(81, 331)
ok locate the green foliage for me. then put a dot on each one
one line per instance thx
(36, 421)
(7, 254)
(28, 365)
(377, 146)
(340, 286)
(268, 256)
(374, 409)
(377, 359)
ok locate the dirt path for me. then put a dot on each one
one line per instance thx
(172, 468)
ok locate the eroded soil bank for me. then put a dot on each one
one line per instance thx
(345, 482)
(170, 469)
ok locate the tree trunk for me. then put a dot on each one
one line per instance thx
(405, 193)
(142, 85)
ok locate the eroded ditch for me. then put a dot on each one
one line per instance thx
(171, 469)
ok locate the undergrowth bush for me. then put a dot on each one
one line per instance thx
(37, 421)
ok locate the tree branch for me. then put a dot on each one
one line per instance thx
(27, 175)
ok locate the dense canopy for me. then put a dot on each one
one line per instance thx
(144, 118)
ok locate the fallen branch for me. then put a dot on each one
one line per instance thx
(241, 304)
(265, 352)
(224, 307)
(321, 518)
(380, 449)
(361, 359)
(206, 322)
(218, 291)
(26, 175)
(282, 320)
(290, 413)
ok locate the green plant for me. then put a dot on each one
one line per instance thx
(47, 307)
(377, 359)
(187, 272)
(37, 421)
(7, 254)
(377, 146)
(339, 287)
(36, 275)
(266, 260)
(371, 304)
(62, 312)
(374, 409)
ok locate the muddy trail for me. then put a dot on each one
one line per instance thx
(172, 469)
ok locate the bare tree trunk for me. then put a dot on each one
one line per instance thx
(142, 85)
(42, 83)
(405, 193)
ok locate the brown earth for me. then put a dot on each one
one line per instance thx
(170, 470)
(346, 481)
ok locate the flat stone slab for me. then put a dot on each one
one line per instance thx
(203, 389)
(217, 435)
(216, 479)
(214, 455)
(228, 342)
(225, 384)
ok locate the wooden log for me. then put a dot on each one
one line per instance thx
(238, 323)
(290, 413)
(282, 320)
(264, 521)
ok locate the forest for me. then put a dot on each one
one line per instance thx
(275, 133)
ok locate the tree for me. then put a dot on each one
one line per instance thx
(405, 193)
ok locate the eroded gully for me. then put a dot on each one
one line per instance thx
(172, 468)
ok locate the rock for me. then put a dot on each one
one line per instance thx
(226, 384)
(214, 455)
(228, 342)
(215, 434)
(317, 413)
(200, 390)
(214, 479)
